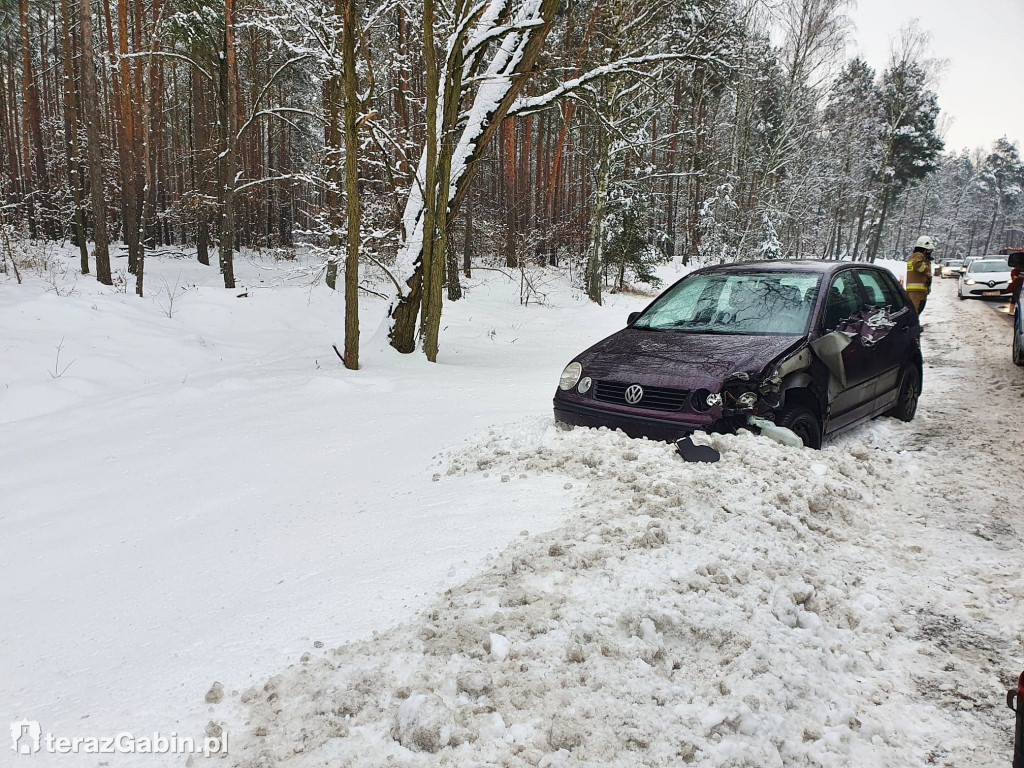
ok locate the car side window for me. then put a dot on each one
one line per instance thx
(879, 291)
(893, 294)
(872, 289)
(843, 300)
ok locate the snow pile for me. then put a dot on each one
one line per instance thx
(425, 724)
(745, 613)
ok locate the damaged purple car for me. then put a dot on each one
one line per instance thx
(816, 347)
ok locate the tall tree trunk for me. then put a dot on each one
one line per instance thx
(402, 91)
(129, 144)
(876, 242)
(149, 126)
(227, 116)
(334, 100)
(431, 261)
(992, 227)
(71, 132)
(36, 175)
(508, 134)
(91, 110)
(595, 261)
(200, 136)
(860, 230)
(9, 130)
(351, 189)
(467, 244)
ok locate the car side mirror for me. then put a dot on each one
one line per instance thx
(1016, 260)
(632, 317)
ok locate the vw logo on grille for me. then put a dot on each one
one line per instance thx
(634, 393)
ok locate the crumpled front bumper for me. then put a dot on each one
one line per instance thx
(633, 425)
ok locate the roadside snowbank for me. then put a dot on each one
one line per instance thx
(781, 607)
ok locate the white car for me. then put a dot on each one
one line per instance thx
(985, 277)
(951, 268)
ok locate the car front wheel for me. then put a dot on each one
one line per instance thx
(910, 391)
(801, 420)
(1018, 353)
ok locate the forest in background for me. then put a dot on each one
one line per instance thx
(409, 143)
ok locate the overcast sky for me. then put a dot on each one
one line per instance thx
(981, 90)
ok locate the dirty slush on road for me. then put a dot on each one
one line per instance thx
(853, 606)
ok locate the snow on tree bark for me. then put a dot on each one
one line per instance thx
(501, 74)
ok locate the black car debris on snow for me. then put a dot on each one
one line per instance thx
(816, 347)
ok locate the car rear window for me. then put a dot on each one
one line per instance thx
(735, 303)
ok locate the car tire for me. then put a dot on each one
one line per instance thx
(960, 295)
(801, 420)
(1018, 353)
(910, 392)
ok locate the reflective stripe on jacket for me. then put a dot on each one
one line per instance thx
(919, 273)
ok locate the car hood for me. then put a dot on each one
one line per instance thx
(986, 277)
(673, 358)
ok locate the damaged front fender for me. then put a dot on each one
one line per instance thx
(829, 349)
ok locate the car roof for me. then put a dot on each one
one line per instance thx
(813, 266)
(991, 260)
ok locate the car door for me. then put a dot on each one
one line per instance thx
(888, 355)
(843, 299)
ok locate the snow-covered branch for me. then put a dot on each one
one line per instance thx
(621, 66)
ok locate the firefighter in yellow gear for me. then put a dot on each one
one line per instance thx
(919, 272)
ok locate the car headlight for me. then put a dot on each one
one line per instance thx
(713, 400)
(584, 385)
(970, 282)
(570, 376)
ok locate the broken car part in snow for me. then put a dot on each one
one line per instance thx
(774, 432)
(697, 454)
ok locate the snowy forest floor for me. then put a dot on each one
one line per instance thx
(413, 558)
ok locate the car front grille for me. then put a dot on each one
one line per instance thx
(654, 399)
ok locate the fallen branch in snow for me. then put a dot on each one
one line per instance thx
(57, 370)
